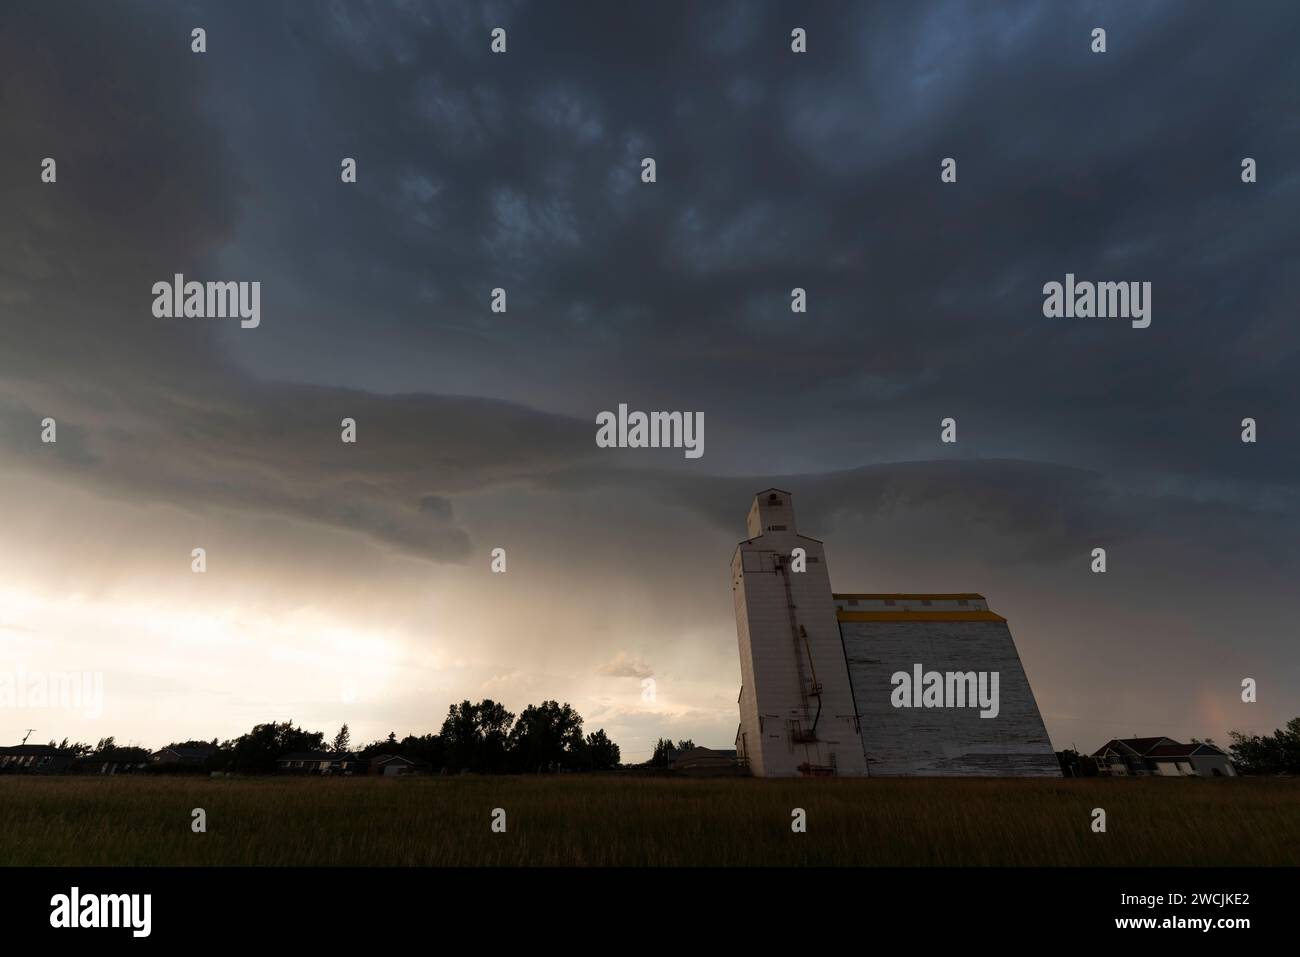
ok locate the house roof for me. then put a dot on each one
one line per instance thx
(1137, 745)
(26, 749)
(197, 751)
(720, 755)
(1114, 744)
(1156, 748)
(389, 758)
(1172, 751)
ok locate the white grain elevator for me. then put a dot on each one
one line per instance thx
(796, 704)
(819, 670)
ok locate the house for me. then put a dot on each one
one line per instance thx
(34, 759)
(112, 761)
(395, 765)
(320, 762)
(180, 754)
(706, 762)
(1121, 757)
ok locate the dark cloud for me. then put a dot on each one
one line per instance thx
(521, 171)
(437, 506)
(777, 171)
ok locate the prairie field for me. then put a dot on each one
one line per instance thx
(638, 821)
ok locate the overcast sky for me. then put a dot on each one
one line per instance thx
(352, 583)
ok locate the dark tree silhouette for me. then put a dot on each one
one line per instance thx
(476, 736)
(546, 737)
(256, 751)
(343, 740)
(601, 753)
(1278, 753)
(665, 749)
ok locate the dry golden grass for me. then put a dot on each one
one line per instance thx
(615, 820)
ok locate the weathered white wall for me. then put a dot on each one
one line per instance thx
(770, 659)
(944, 741)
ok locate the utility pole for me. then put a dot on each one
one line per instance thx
(28, 734)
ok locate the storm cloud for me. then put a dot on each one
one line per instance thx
(775, 171)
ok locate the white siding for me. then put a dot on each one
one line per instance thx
(773, 658)
(945, 741)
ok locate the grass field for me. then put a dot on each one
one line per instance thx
(597, 820)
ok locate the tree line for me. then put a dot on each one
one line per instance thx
(107, 749)
(483, 737)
